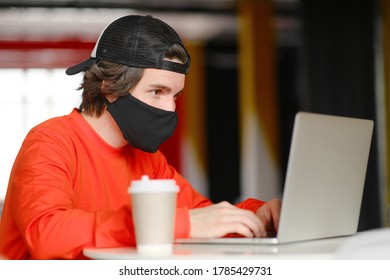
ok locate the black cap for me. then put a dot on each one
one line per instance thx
(136, 41)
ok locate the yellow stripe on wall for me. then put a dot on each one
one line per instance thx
(258, 99)
(194, 150)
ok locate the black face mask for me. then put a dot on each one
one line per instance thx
(145, 127)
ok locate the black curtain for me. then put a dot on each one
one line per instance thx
(338, 62)
(222, 118)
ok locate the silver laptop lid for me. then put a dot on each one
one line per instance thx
(325, 177)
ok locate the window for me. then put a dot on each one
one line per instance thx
(28, 97)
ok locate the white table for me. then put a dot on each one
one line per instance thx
(316, 249)
(371, 244)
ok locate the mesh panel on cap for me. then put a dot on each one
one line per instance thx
(139, 41)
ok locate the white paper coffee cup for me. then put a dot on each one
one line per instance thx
(153, 209)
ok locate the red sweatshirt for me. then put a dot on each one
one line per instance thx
(68, 190)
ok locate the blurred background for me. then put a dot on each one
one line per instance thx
(255, 63)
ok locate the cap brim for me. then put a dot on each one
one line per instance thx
(82, 66)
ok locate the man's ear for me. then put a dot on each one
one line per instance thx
(104, 85)
(104, 88)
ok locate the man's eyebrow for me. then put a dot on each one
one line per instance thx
(161, 86)
(164, 87)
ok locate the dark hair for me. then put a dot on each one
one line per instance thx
(120, 78)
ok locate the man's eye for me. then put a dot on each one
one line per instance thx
(155, 92)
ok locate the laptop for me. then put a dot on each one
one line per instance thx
(324, 181)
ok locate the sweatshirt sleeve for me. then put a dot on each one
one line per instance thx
(251, 204)
(189, 198)
(43, 202)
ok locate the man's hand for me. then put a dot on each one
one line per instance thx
(223, 218)
(269, 214)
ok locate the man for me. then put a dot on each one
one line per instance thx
(68, 186)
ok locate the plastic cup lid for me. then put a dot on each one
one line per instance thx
(152, 185)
